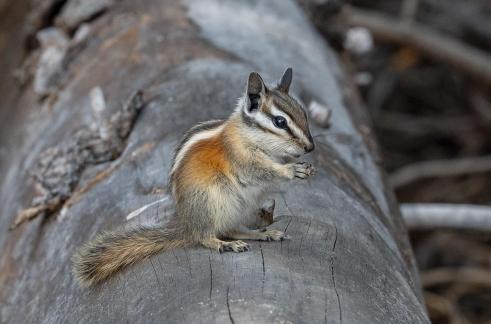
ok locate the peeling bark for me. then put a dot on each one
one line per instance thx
(58, 169)
(348, 259)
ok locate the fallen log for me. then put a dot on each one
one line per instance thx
(348, 259)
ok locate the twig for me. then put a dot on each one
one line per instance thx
(439, 168)
(432, 215)
(142, 209)
(472, 276)
(29, 213)
(467, 59)
(451, 126)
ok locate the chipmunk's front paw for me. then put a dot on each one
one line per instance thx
(303, 170)
(272, 235)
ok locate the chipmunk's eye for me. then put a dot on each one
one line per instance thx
(279, 122)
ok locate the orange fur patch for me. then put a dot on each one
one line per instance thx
(204, 163)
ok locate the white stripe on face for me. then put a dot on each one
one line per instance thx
(293, 127)
(264, 121)
(195, 138)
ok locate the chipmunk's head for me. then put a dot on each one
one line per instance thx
(277, 121)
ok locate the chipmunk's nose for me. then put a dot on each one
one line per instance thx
(310, 147)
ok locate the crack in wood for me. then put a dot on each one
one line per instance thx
(155, 273)
(333, 274)
(284, 231)
(228, 307)
(287, 225)
(211, 277)
(325, 307)
(302, 237)
(262, 257)
(264, 268)
(286, 204)
(188, 263)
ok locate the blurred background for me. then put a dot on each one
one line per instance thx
(423, 69)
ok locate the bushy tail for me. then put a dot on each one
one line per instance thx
(112, 251)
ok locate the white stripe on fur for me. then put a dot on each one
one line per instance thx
(195, 138)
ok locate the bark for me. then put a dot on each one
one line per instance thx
(348, 259)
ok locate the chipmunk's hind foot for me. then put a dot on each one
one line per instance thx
(226, 246)
(264, 216)
(234, 246)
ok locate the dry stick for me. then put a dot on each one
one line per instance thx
(439, 168)
(455, 216)
(469, 60)
(470, 276)
(424, 126)
(145, 207)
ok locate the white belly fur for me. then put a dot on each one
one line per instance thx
(239, 212)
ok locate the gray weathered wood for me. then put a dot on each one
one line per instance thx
(348, 259)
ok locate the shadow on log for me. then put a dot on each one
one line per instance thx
(348, 259)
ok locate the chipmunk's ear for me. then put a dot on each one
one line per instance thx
(286, 80)
(255, 88)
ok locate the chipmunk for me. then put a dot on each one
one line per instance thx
(221, 169)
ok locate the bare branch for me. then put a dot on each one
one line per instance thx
(142, 209)
(431, 215)
(473, 276)
(439, 168)
(469, 60)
